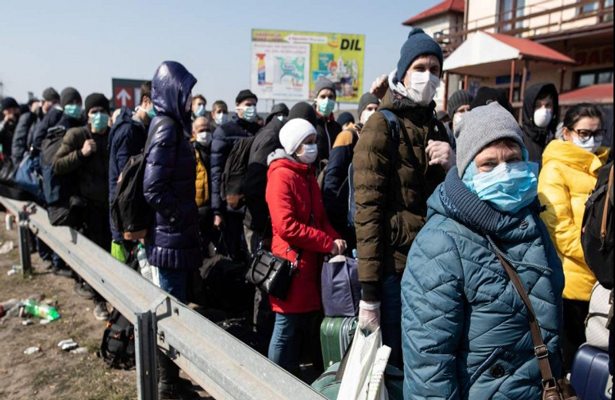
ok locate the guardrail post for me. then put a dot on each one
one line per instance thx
(24, 243)
(146, 348)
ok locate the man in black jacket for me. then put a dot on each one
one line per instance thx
(28, 122)
(10, 114)
(327, 127)
(242, 126)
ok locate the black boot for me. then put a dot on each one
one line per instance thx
(170, 385)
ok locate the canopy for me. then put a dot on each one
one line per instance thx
(489, 54)
(601, 94)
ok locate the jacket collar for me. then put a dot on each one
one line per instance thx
(575, 157)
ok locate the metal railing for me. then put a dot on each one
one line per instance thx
(224, 366)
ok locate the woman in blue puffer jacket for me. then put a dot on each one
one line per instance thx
(466, 332)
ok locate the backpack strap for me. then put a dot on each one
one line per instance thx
(540, 349)
(606, 208)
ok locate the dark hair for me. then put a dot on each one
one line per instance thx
(200, 96)
(581, 110)
(146, 90)
(219, 103)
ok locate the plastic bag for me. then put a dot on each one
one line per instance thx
(357, 375)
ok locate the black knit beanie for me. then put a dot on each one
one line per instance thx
(50, 94)
(245, 94)
(305, 111)
(458, 99)
(96, 100)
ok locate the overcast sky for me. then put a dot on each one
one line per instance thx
(85, 43)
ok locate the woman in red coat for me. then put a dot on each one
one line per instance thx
(300, 231)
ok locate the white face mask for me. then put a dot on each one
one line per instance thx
(423, 87)
(590, 144)
(221, 118)
(365, 116)
(280, 118)
(249, 113)
(310, 152)
(204, 138)
(542, 117)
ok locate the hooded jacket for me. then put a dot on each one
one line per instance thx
(465, 329)
(299, 223)
(535, 138)
(327, 130)
(172, 241)
(126, 139)
(567, 178)
(54, 117)
(22, 140)
(225, 136)
(255, 181)
(391, 188)
(335, 188)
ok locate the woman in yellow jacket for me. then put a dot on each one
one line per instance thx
(201, 142)
(569, 173)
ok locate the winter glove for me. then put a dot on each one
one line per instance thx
(369, 315)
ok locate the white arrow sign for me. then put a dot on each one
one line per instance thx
(123, 96)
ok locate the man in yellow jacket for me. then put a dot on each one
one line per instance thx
(569, 173)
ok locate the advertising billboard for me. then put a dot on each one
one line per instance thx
(286, 65)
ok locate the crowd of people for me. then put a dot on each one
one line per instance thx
(427, 202)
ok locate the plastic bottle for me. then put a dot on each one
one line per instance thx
(5, 306)
(41, 310)
(144, 268)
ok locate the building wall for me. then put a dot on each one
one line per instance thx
(434, 25)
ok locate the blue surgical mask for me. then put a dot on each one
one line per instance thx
(507, 188)
(200, 110)
(325, 106)
(73, 111)
(249, 113)
(100, 121)
(151, 113)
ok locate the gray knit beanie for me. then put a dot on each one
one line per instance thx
(480, 127)
(323, 84)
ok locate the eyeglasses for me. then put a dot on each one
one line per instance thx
(585, 134)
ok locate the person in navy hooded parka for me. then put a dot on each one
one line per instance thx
(172, 241)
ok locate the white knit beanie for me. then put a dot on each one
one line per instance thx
(294, 132)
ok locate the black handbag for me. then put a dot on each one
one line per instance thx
(272, 274)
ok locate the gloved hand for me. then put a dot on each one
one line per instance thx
(369, 315)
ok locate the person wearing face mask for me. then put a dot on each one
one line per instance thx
(335, 187)
(393, 177)
(540, 118)
(457, 105)
(85, 150)
(27, 124)
(301, 234)
(257, 225)
(201, 143)
(127, 138)
(569, 174)
(219, 114)
(327, 127)
(465, 327)
(279, 111)
(241, 126)
(198, 106)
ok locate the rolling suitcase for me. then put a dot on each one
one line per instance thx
(336, 334)
(590, 374)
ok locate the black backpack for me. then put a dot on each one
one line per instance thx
(231, 187)
(118, 344)
(130, 212)
(597, 232)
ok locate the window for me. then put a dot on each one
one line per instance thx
(510, 9)
(588, 78)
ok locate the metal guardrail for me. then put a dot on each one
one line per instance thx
(224, 366)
